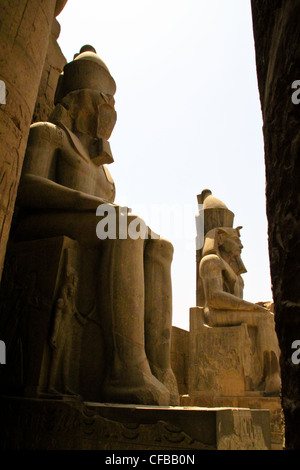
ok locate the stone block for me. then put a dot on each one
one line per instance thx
(253, 401)
(220, 358)
(33, 275)
(71, 425)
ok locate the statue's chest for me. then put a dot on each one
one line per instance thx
(231, 282)
(79, 174)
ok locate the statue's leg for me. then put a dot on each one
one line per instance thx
(122, 305)
(158, 312)
(67, 362)
(53, 371)
(121, 302)
(268, 345)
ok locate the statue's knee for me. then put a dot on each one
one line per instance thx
(132, 227)
(159, 248)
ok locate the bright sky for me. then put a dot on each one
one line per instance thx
(189, 118)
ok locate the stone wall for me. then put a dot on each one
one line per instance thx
(277, 44)
(24, 36)
(54, 64)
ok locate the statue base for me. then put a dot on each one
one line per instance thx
(42, 424)
(254, 401)
(223, 367)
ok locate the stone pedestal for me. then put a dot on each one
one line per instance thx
(253, 401)
(36, 424)
(222, 360)
(33, 275)
(223, 369)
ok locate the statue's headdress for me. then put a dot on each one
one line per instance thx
(216, 213)
(214, 218)
(86, 71)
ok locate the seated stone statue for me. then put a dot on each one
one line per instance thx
(64, 181)
(220, 287)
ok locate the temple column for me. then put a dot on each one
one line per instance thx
(24, 36)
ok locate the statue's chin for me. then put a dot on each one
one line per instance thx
(102, 159)
(238, 265)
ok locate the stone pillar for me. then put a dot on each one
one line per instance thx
(277, 44)
(24, 36)
(53, 67)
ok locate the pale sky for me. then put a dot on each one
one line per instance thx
(189, 118)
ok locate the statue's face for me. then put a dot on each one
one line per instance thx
(231, 249)
(233, 246)
(92, 113)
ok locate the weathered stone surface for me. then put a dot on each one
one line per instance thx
(61, 425)
(221, 360)
(29, 293)
(53, 66)
(253, 401)
(277, 43)
(180, 357)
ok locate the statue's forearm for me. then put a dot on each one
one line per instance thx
(227, 301)
(41, 193)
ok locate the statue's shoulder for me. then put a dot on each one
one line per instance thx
(210, 264)
(43, 126)
(46, 131)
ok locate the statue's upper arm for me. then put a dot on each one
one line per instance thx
(40, 152)
(211, 274)
(210, 267)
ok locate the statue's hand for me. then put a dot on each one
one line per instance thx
(265, 311)
(86, 201)
(260, 308)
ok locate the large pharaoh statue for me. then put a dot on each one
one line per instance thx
(64, 180)
(220, 287)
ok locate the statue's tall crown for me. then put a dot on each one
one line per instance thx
(86, 71)
(216, 213)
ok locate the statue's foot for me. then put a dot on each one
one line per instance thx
(135, 387)
(168, 379)
(273, 385)
(70, 393)
(272, 374)
(54, 392)
(67, 393)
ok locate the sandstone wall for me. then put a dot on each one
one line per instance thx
(24, 36)
(54, 64)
